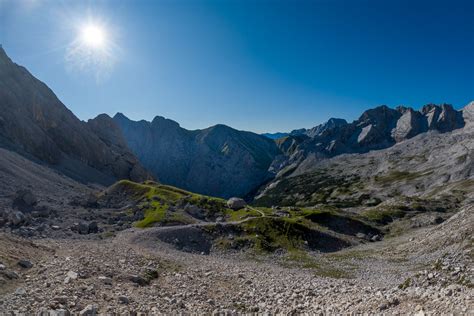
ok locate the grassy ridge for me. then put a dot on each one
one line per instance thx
(164, 204)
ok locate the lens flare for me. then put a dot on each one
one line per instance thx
(94, 49)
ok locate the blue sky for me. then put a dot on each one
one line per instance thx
(263, 66)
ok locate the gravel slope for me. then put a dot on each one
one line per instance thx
(101, 276)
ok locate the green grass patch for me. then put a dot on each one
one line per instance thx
(383, 215)
(311, 189)
(304, 260)
(406, 284)
(155, 201)
(396, 176)
(235, 216)
(272, 234)
(155, 214)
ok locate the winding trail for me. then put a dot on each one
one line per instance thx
(152, 231)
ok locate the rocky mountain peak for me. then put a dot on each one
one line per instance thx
(300, 131)
(218, 160)
(449, 119)
(120, 116)
(430, 108)
(3, 56)
(379, 115)
(403, 109)
(468, 113)
(107, 130)
(34, 122)
(331, 124)
(164, 123)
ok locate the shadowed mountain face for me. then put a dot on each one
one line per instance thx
(218, 160)
(34, 122)
(275, 135)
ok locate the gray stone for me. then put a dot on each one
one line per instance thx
(376, 238)
(89, 310)
(9, 274)
(139, 280)
(83, 228)
(20, 291)
(72, 275)
(105, 280)
(236, 203)
(59, 312)
(16, 218)
(93, 228)
(25, 264)
(123, 300)
(24, 198)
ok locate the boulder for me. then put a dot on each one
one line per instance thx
(91, 200)
(25, 264)
(139, 280)
(236, 203)
(10, 275)
(89, 310)
(93, 228)
(376, 238)
(123, 300)
(24, 200)
(84, 228)
(16, 218)
(20, 291)
(59, 312)
(195, 211)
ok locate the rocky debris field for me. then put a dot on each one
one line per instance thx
(133, 272)
(64, 250)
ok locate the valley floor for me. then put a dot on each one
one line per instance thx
(133, 271)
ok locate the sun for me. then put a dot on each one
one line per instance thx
(93, 36)
(94, 49)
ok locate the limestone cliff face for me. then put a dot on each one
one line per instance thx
(34, 122)
(424, 153)
(218, 160)
(377, 128)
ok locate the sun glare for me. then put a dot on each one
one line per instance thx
(93, 36)
(94, 49)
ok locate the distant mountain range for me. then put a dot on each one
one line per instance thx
(386, 155)
(377, 128)
(275, 135)
(218, 160)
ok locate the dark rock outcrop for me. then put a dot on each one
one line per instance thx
(34, 122)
